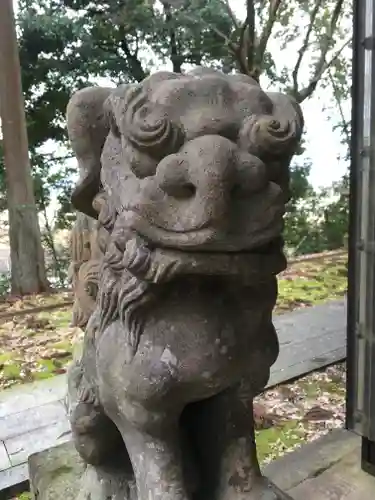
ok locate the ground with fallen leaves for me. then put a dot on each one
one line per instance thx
(291, 414)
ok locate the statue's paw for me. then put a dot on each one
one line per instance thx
(89, 448)
(110, 483)
(95, 436)
(262, 489)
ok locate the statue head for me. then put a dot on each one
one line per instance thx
(199, 162)
(193, 166)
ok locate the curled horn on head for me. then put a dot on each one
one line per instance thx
(146, 126)
(88, 127)
(279, 134)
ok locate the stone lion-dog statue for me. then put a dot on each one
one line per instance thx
(181, 196)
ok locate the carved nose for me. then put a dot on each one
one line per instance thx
(203, 182)
(204, 168)
(173, 178)
(219, 172)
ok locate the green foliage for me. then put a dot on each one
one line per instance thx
(315, 221)
(4, 284)
(25, 496)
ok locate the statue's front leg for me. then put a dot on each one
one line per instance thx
(223, 430)
(154, 446)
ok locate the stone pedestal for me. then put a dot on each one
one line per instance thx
(60, 474)
(324, 470)
(56, 473)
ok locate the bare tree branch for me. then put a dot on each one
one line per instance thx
(345, 123)
(321, 65)
(245, 52)
(52, 156)
(305, 44)
(250, 38)
(240, 54)
(175, 56)
(134, 63)
(267, 30)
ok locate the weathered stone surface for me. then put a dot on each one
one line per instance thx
(22, 446)
(327, 469)
(187, 176)
(31, 419)
(60, 474)
(56, 473)
(322, 470)
(311, 459)
(14, 477)
(25, 397)
(4, 459)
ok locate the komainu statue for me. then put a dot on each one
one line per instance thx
(183, 185)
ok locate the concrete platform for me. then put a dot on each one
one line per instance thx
(328, 469)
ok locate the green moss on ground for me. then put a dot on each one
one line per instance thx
(36, 347)
(292, 414)
(312, 283)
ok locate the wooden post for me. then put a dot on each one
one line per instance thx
(27, 256)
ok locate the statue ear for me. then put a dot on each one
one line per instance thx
(88, 126)
(286, 110)
(285, 107)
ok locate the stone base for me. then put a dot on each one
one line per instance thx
(60, 474)
(324, 470)
(56, 473)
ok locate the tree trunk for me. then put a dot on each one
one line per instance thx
(27, 257)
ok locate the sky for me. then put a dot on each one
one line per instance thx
(322, 144)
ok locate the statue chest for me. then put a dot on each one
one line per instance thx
(191, 347)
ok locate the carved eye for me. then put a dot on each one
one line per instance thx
(147, 128)
(266, 136)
